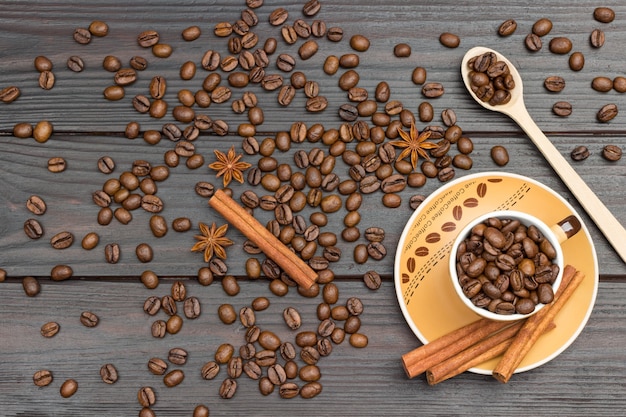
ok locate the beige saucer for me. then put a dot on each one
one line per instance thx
(427, 298)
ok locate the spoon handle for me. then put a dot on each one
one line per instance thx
(603, 218)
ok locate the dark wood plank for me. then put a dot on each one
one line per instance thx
(75, 104)
(70, 205)
(583, 380)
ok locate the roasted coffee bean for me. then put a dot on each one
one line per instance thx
(348, 80)
(62, 240)
(151, 203)
(358, 340)
(499, 155)
(210, 370)
(111, 63)
(152, 305)
(89, 319)
(112, 253)
(228, 388)
(292, 318)
(177, 356)
(604, 14)
(619, 84)
(507, 27)
(596, 39)
(31, 286)
(278, 16)
(61, 272)
(158, 329)
(173, 378)
(138, 63)
(114, 92)
(121, 214)
(376, 250)
(142, 104)
(108, 374)
(42, 63)
(46, 80)
(42, 130)
(230, 285)
(157, 366)
(125, 76)
(449, 40)
(402, 50)
(191, 308)
(36, 205)
(580, 153)
(560, 45)
(174, 324)
(106, 165)
(576, 61)
(542, 27)
(75, 63)
(162, 50)
(9, 94)
(227, 314)
(98, 28)
(533, 42)
(372, 280)
(359, 43)
(68, 388)
(82, 36)
(23, 130)
(602, 84)
(432, 90)
(308, 49)
(42, 378)
(425, 112)
(562, 108)
(612, 153)
(50, 329)
(607, 113)
(56, 164)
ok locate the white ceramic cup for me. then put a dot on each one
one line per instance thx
(556, 235)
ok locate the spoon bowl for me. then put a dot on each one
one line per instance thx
(517, 93)
(516, 110)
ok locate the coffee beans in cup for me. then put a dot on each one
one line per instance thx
(508, 264)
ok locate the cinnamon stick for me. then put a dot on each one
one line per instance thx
(536, 325)
(273, 248)
(426, 356)
(481, 352)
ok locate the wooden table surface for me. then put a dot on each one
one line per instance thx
(586, 379)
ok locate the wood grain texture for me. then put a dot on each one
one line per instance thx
(583, 380)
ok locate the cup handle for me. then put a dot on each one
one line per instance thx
(566, 228)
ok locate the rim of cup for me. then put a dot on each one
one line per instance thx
(526, 219)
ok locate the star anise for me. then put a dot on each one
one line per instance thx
(229, 166)
(414, 144)
(212, 241)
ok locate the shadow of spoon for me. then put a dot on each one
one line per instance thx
(516, 110)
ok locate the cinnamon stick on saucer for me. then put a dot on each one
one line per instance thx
(236, 215)
(536, 325)
(425, 357)
(487, 349)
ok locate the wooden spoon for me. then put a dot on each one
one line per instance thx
(516, 110)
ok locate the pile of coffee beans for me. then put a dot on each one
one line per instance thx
(490, 79)
(506, 266)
